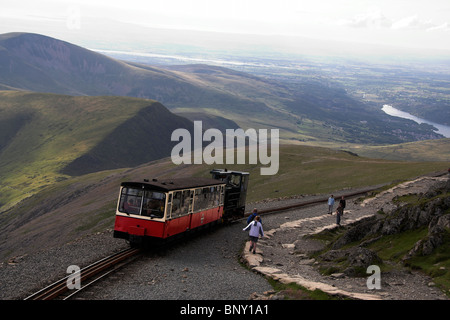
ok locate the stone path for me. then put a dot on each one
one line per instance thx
(282, 254)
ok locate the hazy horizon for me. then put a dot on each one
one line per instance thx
(409, 26)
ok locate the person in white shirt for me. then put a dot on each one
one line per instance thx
(330, 204)
(256, 230)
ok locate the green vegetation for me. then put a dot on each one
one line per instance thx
(403, 249)
(98, 222)
(394, 247)
(429, 150)
(436, 265)
(51, 134)
(293, 291)
(314, 170)
(391, 249)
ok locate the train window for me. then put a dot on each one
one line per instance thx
(198, 200)
(154, 203)
(185, 204)
(208, 197)
(197, 196)
(235, 180)
(244, 183)
(202, 199)
(176, 203)
(221, 195)
(180, 203)
(191, 201)
(130, 201)
(214, 197)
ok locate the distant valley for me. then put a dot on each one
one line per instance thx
(306, 111)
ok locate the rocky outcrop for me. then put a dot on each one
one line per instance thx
(436, 235)
(363, 228)
(354, 260)
(291, 252)
(432, 209)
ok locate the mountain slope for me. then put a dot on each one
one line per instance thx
(42, 64)
(428, 150)
(304, 111)
(142, 138)
(45, 137)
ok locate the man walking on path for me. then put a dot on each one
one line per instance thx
(330, 204)
(253, 216)
(342, 204)
(339, 212)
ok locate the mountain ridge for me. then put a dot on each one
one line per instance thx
(305, 111)
(79, 71)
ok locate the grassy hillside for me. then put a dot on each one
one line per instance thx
(44, 138)
(429, 150)
(82, 205)
(316, 170)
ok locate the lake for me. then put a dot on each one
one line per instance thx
(440, 128)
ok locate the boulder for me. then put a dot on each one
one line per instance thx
(437, 230)
(363, 228)
(352, 261)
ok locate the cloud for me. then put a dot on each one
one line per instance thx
(370, 20)
(444, 27)
(377, 20)
(412, 22)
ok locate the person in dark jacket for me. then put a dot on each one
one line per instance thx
(342, 203)
(339, 213)
(253, 215)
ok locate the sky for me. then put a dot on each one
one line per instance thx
(409, 24)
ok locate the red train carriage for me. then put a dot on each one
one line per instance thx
(164, 209)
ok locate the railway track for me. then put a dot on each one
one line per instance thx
(311, 202)
(93, 273)
(325, 199)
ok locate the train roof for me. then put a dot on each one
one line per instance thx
(226, 171)
(172, 184)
